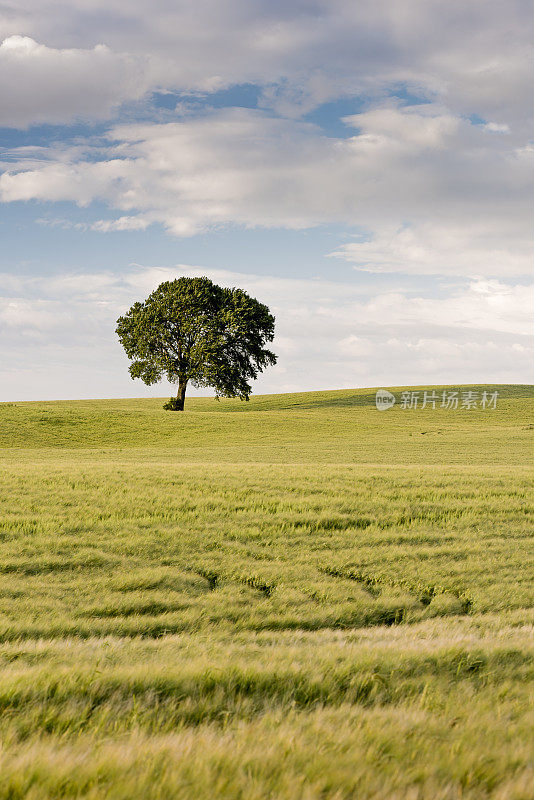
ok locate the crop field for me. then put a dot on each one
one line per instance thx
(295, 598)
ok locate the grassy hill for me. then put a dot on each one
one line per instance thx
(335, 427)
(300, 597)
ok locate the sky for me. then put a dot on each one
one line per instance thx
(364, 167)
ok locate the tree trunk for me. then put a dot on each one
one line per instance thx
(180, 397)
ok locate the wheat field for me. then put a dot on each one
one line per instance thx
(298, 597)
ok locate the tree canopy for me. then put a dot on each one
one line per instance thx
(192, 331)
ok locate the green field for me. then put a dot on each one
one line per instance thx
(296, 598)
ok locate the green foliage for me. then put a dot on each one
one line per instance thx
(173, 404)
(192, 331)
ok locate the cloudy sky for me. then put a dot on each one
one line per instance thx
(365, 167)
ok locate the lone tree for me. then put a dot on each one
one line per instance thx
(193, 331)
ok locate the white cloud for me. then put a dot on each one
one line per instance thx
(44, 84)
(499, 247)
(437, 193)
(135, 223)
(412, 129)
(329, 334)
(477, 57)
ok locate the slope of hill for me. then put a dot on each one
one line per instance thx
(338, 426)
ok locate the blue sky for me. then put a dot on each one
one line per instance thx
(365, 169)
